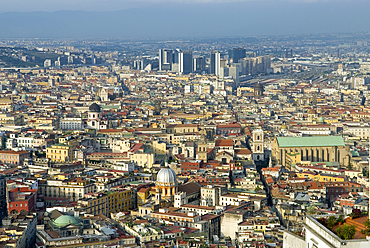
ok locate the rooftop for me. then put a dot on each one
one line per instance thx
(310, 141)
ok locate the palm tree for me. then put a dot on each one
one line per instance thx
(367, 225)
(346, 231)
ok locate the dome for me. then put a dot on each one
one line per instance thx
(24, 97)
(65, 220)
(258, 86)
(311, 111)
(97, 98)
(284, 127)
(321, 119)
(166, 177)
(94, 108)
(15, 92)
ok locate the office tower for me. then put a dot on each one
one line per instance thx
(257, 65)
(63, 60)
(215, 63)
(47, 63)
(186, 62)
(139, 64)
(230, 72)
(237, 53)
(175, 60)
(199, 64)
(165, 59)
(175, 56)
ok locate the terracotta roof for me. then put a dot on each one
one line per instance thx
(224, 142)
(189, 188)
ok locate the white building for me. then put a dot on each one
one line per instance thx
(71, 124)
(318, 236)
(125, 166)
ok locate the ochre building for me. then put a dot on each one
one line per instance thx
(314, 149)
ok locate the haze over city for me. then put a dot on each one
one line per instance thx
(169, 19)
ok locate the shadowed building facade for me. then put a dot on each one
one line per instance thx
(314, 149)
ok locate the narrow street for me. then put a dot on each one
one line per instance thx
(270, 201)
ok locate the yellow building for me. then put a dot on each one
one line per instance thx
(143, 159)
(292, 158)
(59, 153)
(321, 177)
(159, 147)
(182, 128)
(108, 202)
(142, 196)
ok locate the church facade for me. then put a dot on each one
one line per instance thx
(314, 149)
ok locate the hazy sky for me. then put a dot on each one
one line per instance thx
(180, 18)
(107, 5)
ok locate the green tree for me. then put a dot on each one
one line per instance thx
(346, 231)
(367, 225)
(332, 221)
(340, 218)
(311, 210)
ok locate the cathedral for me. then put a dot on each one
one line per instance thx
(95, 120)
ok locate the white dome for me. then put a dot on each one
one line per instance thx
(166, 177)
(15, 92)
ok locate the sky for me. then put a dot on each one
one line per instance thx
(111, 5)
(179, 18)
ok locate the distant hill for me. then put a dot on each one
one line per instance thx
(243, 18)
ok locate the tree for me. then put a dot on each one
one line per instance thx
(367, 225)
(346, 231)
(340, 219)
(311, 210)
(332, 221)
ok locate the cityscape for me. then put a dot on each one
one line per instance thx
(228, 141)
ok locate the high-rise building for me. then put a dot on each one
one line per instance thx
(199, 64)
(47, 63)
(237, 53)
(175, 56)
(256, 65)
(186, 62)
(165, 59)
(215, 63)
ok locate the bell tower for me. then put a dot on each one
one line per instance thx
(202, 150)
(258, 145)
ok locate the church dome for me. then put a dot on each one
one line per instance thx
(258, 87)
(166, 177)
(311, 111)
(15, 92)
(24, 97)
(94, 108)
(65, 220)
(321, 119)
